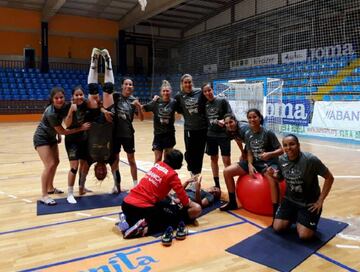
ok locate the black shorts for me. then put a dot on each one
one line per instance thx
(39, 140)
(127, 143)
(164, 141)
(260, 166)
(295, 213)
(213, 144)
(158, 217)
(76, 150)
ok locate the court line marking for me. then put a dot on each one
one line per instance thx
(331, 146)
(315, 253)
(127, 247)
(348, 177)
(56, 224)
(109, 218)
(219, 227)
(83, 214)
(335, 262)
(348, 246)
(26, 200)
(244, 220)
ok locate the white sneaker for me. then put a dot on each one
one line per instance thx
(94, 57)
(106, 55)
(71, 199)
(95, 52)
(114, 190)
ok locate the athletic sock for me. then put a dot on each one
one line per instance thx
(70, 197)
(275, 207)
(117, 179)
(93, 71)
(217, 182)
(109, 75)
(135, 182)
(232, 198)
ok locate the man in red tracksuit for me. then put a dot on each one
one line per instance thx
(147, 207)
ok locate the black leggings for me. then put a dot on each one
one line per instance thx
(158, 217)
(195, 142)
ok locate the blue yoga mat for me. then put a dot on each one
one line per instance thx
(83, 203)
(286, 251)
(214, 206)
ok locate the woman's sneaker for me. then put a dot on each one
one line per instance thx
(138, 230)
(122, 225)
(181, 231)
(167, 237)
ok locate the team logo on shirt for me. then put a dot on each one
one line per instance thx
(294, 180)
(257, 147)
(212, 113)
(164, 114)
(191, 105)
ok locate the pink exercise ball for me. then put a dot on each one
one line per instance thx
(254, 194)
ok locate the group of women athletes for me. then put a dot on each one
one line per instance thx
(208, 124)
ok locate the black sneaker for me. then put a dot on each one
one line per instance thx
(181, 231)
(138, 230)
(167, 237)
(228, 207)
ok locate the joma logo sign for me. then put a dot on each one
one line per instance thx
(288, 111)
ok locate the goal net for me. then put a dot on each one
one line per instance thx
(264, 94)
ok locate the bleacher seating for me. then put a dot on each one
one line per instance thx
(300, 79)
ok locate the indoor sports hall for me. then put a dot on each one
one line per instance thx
(296, 61)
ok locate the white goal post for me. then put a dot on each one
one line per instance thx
(265, 94)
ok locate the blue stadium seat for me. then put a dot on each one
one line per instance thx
(22, 92)
(15, 97)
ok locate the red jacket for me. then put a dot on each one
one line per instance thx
(155, 186)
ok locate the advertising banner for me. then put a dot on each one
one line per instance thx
(295, 112)
(337, 115)
(294, 56)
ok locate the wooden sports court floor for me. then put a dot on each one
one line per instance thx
(86, 241)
